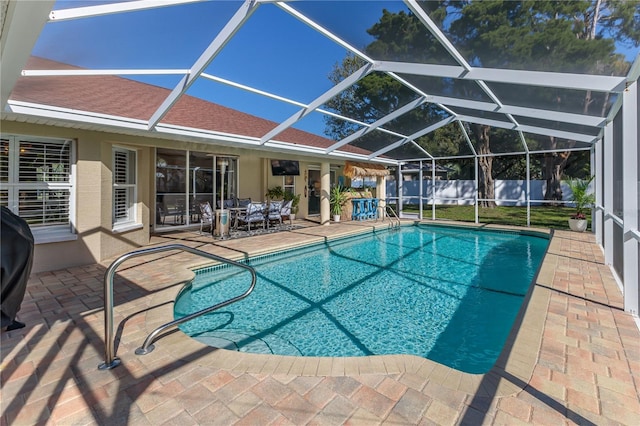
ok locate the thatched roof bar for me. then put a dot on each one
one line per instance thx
(354, 169)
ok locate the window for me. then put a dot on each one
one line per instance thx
(36, 183)
(289, 184)
(124, 187)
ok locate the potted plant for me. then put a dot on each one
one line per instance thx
(337, 200)
(295, 201)
(275, 193)
(582, 200)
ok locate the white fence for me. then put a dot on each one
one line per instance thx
(461, 192)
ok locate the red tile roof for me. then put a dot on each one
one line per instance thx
(122, 97)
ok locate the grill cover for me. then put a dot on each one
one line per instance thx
(16, 258)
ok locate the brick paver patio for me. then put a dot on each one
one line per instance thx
(572, 358)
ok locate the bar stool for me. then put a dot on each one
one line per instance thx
(358, 208)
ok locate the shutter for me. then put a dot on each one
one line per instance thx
(120, 166)
(44, 206)
(44, 161)
(120, 204)
(4, 160)
(123, 186)
(120, 199)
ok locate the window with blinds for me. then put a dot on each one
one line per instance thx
(35, 180)
(4, 160)
(43, 162)
(124, 186)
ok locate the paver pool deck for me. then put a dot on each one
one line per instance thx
(573, 356)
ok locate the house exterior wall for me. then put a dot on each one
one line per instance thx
(92, 214)
(300, 181)
(252, 174)
(86, 248)
(113, 243)
(96, 241)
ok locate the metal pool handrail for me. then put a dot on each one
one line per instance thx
(110, 360)
(393, 215)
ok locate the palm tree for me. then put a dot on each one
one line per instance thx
(581, 197)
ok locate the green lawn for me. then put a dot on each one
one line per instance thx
(545, 217)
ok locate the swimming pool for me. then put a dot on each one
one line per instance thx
(444, 293)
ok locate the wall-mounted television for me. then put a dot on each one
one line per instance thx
(285, 168)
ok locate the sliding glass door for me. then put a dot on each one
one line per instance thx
(184, 179)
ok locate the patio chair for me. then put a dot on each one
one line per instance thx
(244, 202)
(206, 216)
(253, 214)
(173, 207)
(180, 210)
(228, 203)
(274, 212)
(285, 211)
(161, 212)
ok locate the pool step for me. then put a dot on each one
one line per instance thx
(242, 341)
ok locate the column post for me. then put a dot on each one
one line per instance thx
(325, 191)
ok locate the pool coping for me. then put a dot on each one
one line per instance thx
(511, 373)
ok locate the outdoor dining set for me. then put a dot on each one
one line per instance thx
(242, 213)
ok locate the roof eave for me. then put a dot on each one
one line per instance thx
(63, 117)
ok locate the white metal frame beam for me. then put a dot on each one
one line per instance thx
(111, 8)
(86, 72)
(598, 83)
(598, 213)
(529, 129)
(607, 189)
(567, 117)
(630, 203)
(21, 26)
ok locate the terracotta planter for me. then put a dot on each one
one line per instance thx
(578, 225)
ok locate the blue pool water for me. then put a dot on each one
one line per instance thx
(444, 293)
